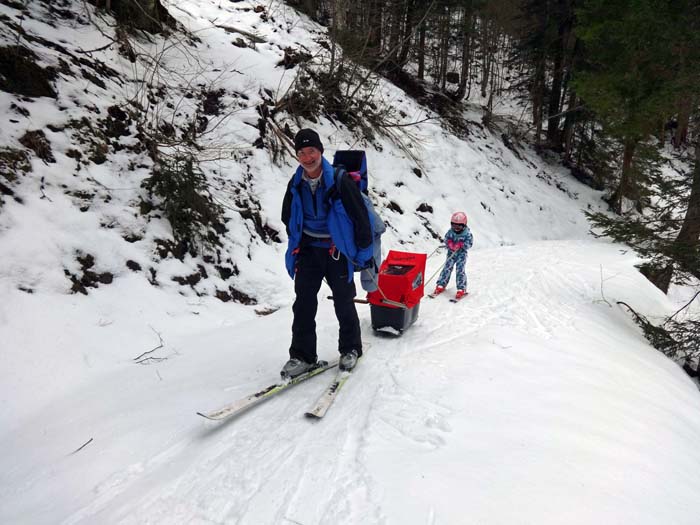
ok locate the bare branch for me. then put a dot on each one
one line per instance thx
(81, 447)
(684, 306)
(139, 358)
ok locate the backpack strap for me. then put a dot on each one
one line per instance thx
(334, 191)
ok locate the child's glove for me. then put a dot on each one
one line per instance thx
(454, 246)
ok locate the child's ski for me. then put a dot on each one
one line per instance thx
(247, 402)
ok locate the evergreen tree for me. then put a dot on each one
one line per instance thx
(645, 58)
(627, 83)
(668, 230)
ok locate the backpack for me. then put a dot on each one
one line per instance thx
(354, 163)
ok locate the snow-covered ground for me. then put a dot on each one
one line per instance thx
(531, 401)
(535, 400)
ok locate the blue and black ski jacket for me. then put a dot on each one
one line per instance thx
(343, 217)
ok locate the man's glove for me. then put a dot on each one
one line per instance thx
(367, 265)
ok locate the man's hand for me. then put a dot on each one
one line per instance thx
(368, 264)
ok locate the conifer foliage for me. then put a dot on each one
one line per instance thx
(605, 83)
(181, 189)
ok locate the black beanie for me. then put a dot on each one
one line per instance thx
(307, 138)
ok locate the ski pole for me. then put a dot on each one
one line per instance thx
(440, 247)
(355, 300)
(385, 299)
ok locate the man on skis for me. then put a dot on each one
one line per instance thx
(329, 234)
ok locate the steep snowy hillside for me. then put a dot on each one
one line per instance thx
(534, 400)
(94, 157)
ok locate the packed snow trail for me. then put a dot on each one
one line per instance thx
(532, 391)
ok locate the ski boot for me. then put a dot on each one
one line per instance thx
(438, 290)
(295, 367)
(348, 360)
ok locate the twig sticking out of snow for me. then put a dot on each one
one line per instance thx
(140, 359)
(81, 447)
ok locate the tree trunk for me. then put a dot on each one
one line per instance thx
(148, 15)
(569, 125)
(553, 135)
(488, 56)
(564, 48)
(659, 277)
(539, 79)
(688, 238)
(538, 98)
(310, 7)
(334, 35)
(395, 18)
(421, 51)
(467, 20)
(624, 188)
(374, 24)
(680, 135)
(408, 32)
(444, 47)
(685, 250)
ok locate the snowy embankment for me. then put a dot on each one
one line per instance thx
(531, 401)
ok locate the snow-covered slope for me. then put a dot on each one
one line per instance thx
(531, 401)
(534, 400)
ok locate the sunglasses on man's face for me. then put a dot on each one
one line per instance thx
(457, 227)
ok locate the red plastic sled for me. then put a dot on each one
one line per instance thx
(401, 280)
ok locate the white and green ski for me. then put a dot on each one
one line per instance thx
(326, 399)
(247, 402)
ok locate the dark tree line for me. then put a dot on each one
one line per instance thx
(605, 83)
(599, 77)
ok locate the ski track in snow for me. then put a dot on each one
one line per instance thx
(234, 471)
(271, 465)
(264, 465)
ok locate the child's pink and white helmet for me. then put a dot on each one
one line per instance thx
(459, 218)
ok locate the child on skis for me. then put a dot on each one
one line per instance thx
(458, 240)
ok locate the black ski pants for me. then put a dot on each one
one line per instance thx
(313, 265)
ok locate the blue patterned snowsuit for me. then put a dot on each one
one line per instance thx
(457, 246)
